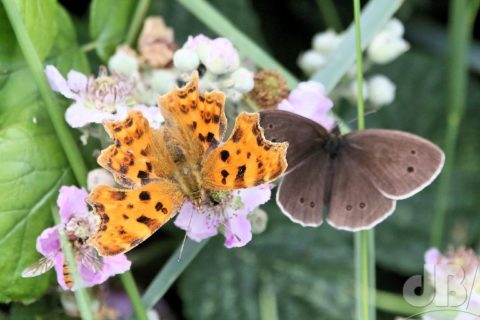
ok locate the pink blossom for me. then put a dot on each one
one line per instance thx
(229, 217)
(218, 55)
(96, 99)
(309, 100)
(78, 224)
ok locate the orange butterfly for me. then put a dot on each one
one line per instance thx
(182, 161)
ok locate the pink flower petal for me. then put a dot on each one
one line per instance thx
(77, 81)
(199, 226)
(111, 266)
(254, 197)
(152, 114)
(48, 242)
(71, 202)
(58, 83)
(309, 100)
(238, 231)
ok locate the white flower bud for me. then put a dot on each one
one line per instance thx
(123, 63)
(99, 176)
(388, 44)
(219, 56)
(326, 42)
(163, 80)
(243, 80)
(381, 90)
(258, 219)
(352, 92)
(186, 60)
(311, 61)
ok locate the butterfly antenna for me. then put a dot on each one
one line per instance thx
(366, 114)
(185, 238)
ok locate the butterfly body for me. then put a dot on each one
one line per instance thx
(356, 178)
(181, 161)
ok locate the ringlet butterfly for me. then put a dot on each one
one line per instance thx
(358, 176)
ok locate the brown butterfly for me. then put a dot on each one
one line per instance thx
(358, 176)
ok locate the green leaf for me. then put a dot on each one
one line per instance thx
(304, 272)
(33, 165)
(39, 19)
(109, 21)
(420, 108)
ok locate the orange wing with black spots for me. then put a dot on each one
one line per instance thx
(134, 157)
(128, 217)
(246, 159)
(197, 116)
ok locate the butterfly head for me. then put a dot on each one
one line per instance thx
(333, 145)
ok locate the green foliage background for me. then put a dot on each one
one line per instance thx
(301, 272)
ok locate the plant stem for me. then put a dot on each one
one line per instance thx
(267, 299)
(67, 141)
(364, 240)
(330, 14)
(395, 304)
(137, 21)
(81, 295)
(170, 272)
(129, 284)
(457, 78)
(88, 46)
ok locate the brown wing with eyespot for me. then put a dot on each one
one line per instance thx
(246, 159)
(355, 203)
(303, 135)
(128, 217)
(198, 117)
(301, 193)
(398, 164)
(135, 157)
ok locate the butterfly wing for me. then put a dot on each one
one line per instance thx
(302, 134)
(246, 159)
(198, 117)
(128, 217)
(355, 203)
(133, 158)
(398, 164)
(301, 193)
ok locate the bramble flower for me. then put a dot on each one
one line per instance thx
(311, 61)
(388, 44)
(309, 100)
(454, 278)
(228, 215)
(124, 62)
(381, 90)
(78, 225)
(222, 65)
(269, 90)
(107, 97)
(156, 43)
(326, 42)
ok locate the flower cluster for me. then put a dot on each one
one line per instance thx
(221, 62)
(229, 214)
(78, 224)
(387, 45)
(454, 277)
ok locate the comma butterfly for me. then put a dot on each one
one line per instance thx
(182, 161)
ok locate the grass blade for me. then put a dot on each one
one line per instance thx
(170, 272)
(374, 16)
